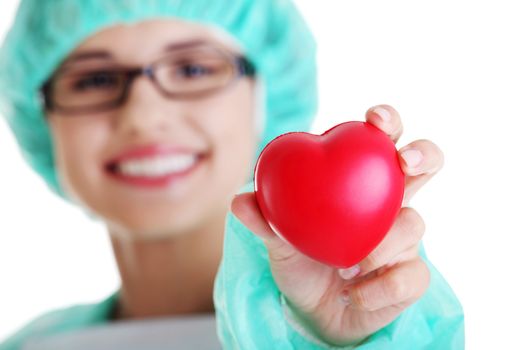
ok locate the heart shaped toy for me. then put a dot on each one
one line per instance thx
(332, 196)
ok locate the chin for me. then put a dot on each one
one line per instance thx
(149, 230)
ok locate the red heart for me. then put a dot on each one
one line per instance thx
(332, 196)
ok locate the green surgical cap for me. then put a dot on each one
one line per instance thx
(274, 36)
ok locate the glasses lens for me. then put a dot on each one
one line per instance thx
(194, 72)
(87, 89)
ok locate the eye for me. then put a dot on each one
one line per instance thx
(96, 81)
(193, 70)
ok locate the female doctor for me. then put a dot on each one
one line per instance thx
(150, 116)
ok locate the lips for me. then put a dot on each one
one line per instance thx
(153, 165)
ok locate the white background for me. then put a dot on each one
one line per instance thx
(453, 69)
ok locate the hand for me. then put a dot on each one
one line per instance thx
(343, 307)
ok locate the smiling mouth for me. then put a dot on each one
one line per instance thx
(158, 170)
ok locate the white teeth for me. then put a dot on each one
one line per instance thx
(157, 166)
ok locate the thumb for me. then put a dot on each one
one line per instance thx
(244, 206)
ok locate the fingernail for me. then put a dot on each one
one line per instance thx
(383, 113)
(344, 297)
(350, 272)
(412, 157)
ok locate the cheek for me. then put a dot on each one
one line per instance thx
(230, 125)
(234, 129)
(78, 146)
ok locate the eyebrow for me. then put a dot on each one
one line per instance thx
(81, 56)
(105, 55)
(186, 44)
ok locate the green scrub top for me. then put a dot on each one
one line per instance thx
(63, 320)
(434, 323)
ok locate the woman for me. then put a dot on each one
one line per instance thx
(151, 116)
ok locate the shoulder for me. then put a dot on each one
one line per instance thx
(61, 320)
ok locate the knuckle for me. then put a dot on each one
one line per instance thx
(359, 298)
(413, 223)
(395, 287)
(423, 279)
(371, 262)
(280, 252)
(279, 257)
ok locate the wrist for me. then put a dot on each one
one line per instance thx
(305, 329)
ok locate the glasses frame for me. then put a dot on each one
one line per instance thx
(241, 65)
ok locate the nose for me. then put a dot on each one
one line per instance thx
(145, 111)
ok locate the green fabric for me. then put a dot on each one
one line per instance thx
(250, 313)
(63, 320)
(272, 32)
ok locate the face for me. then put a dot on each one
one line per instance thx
(155, 166)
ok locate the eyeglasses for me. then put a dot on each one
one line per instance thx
(183, 74)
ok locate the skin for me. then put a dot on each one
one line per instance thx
(168, 243)
(344, 307)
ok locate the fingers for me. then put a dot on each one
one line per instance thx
(402, 284)
(387, 119)
(421, 157)
(405, 234)
(244, 207)
(420, 161)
